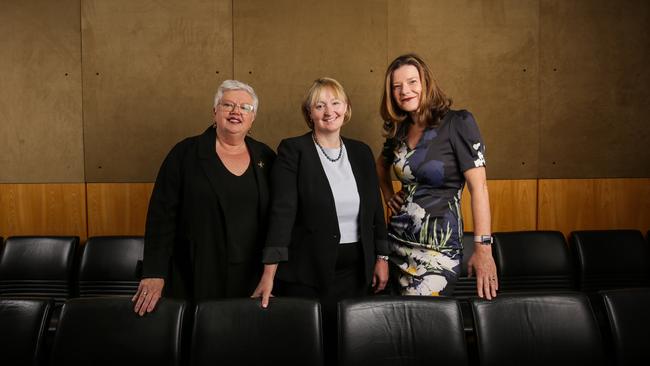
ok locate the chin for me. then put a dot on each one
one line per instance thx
(409, 108)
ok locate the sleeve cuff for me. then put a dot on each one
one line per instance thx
(275, 254)
(381, 246)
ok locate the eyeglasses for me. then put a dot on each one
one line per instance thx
(230, 106)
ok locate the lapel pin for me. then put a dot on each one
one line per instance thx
(260, 164)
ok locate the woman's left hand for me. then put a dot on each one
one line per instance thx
(482, 264)
(380, 277)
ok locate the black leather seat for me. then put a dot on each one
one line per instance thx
(106, 331)
(38, 267)
(537, 329)
(240, 332)
(23, 323)
(401, 330)
(533, 261)
(609, 259)
(629, 321)
(110, 265)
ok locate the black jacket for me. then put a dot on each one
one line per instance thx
(303, 226)
(185, 237)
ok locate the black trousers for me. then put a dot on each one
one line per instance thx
(348, 282)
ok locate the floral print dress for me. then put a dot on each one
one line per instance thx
(426, 234)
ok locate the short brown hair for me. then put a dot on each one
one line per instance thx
(314, 93)
(434, 103)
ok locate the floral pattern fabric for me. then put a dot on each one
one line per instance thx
(426, 234)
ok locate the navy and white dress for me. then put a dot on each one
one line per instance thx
(426, 234)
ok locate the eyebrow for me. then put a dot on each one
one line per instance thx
(230, 101)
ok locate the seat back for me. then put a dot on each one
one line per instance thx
(533, 261)
(106, 331)
(241, 332)
(537, 329)
(38, 266)
(110, 265)
(466, 286)
(629, 322)
(401, 330)
(23, 323)
(609, 259)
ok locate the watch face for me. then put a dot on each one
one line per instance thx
(484, 239)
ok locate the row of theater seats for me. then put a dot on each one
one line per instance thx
(60, 268)
(542, 261)
(513, 329)
(528, 261)
(57, 267)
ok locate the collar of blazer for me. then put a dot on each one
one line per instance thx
(208, 158)
(354, 154)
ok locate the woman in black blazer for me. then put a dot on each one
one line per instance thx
(327, 235)
(207, 215)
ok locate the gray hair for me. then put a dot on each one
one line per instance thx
(228, 85)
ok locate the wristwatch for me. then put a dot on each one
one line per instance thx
(383, 257)
(483, 239)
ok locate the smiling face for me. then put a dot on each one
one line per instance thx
(233, 115)
(407, 88)
(328, 112)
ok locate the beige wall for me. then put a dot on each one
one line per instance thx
(100, 90)
(41, 131)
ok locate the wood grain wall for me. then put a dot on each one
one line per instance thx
(593, 204)
(117, 208)
(120, 208)
(43, 209)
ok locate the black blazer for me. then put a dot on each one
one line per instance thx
(185, 236)
(303, 226)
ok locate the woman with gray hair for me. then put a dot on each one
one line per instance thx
(206, 221)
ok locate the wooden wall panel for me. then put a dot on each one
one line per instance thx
(280, 47)
(151, 69)
(485, 55)
(592, 204)
(513, 205)
(594, 81)
(41, 134)
(118, 208)
(43, 209)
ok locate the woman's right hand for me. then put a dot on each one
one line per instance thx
(265, 287)
(396, 202)
(148, 294)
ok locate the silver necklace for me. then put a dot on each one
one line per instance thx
(313, 136)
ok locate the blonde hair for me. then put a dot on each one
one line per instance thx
(314, 93)
(434, 103)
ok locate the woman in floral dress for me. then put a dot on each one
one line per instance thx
(433, 151)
